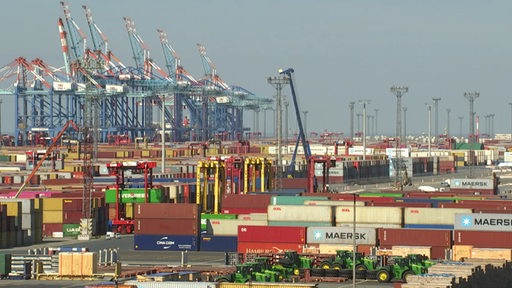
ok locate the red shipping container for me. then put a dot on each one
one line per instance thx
(477, 203)
(72, 204)
(167, 211)
(262, 247)
(274, 234)
(495, 211)
(254, 201)
(294, 183)
(436, 252)
(414, 237)
(243, 210)
(48, 229)
(167, 226)
(483, 239)
(71, 217)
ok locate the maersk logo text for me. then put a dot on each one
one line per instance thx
(341, 235)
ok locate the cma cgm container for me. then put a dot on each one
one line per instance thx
(300, 213)
(369, 215)
(166, 242)
(341, 235)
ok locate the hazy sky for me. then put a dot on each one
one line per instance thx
(341, 51)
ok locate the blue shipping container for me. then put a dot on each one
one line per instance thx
(219, 243)
(166, 242)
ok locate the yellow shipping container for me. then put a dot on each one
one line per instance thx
(145, 153)
(13, 208)
(52, 204)
(38, 203)
(52, 217)
(129, 210)
(120, 154)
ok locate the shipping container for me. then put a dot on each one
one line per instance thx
(484, 222)
(299, 223)
(334, 203)
(294, 200)
(229, 227)
(414, 237)
(369, 215)
(71, 230)
(341, 235)
(205, 217)
(274, 234)
(136, 195)
(483, 239)
(171, 226)
(251, 201)
(253, 216)
(219, 243)
(268, 247)
(167, 211)
(166, 242)
(437, 216)
(171, 284)
(300, 213)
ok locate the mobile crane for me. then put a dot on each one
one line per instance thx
(121, 223)
(301, 137)
(49, 150)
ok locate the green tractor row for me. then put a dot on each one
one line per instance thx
(379, 267)
(264, 269)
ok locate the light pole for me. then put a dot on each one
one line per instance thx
(405, 125)
(510, 103)
(436, 120)
(278, 82)
(398, 91)
(429, 107)
(471, 96)
(491, 116)
(163, 133)
(364, 103)
(305, 112)
(351, 107)
(448, 110)
(376, 131)
(460, 128)
(358, 122)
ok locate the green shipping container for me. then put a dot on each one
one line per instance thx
(294, 200)
(135, 195)
(205, 217)
(378, 194)
(5, 264)
(70, 230)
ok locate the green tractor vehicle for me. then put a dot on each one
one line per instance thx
(242, 274)
(401, 268)
(344, 259)
(292, 264)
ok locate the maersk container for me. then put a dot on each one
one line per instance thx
(415, 237)
(484, 222)
(294, 200)
(219, 243)
(437, 216)
(300, 213)
(274, 234)
(229, 227)
(166, 242)
(205, 217)
(341, 235)
(369, 215)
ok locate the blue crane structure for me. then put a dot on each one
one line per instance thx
(301, 138)
(126, 99)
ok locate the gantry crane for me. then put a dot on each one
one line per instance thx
(121, 223)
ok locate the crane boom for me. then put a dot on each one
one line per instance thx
(55, 140)
(302, 137)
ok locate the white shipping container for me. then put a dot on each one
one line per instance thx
(253, 216)
(17, 179)
(369, 215)
(432, 216)
(229, 227)
(370, 225)
(62, 86)
(333, 203)
(21, 158)
(300, 213)
(116, 88)
(484, 222)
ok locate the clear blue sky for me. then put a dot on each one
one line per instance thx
(341, 51)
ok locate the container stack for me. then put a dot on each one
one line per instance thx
(270, 239)
(369, 216)
(430, 242)
(52, 217)
(300, 215)
(167, 226)
(29, 222)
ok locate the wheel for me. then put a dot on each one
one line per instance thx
(406, 275)
(332, 273)
(360, 267)
(319, 272)
(325, 265)
(383, 276)
(129, 229)
(336, 266)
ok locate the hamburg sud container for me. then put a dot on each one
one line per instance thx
(431, 218)
(167, 226)
(300, 215)
(369, 216)
(438, 240)
(270, 239)
(483, 230)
